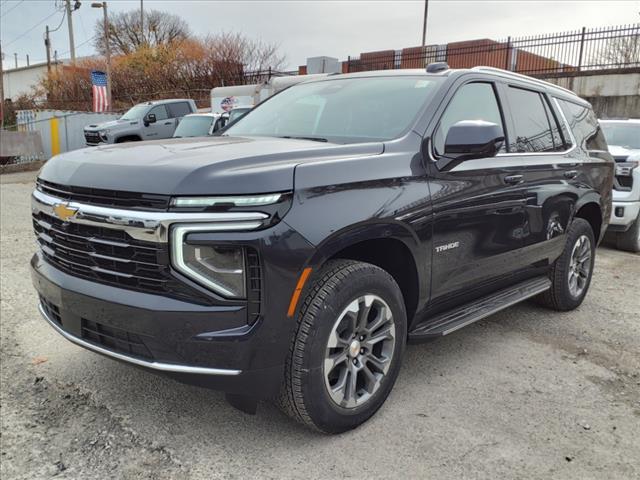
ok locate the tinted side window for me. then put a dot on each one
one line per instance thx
(533, 122)
(474, 101)
(177, 110)
(160, 112)
(584, 125)
(557, 134)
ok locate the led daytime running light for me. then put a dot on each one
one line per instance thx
(252, 201)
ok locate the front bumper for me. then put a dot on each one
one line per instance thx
(214, 345)
(175, 338)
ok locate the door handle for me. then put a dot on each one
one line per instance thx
(168, 123)
(513, 179)
(571, 174)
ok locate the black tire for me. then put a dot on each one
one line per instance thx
(630, 240)
(304, 395)
(559, 296)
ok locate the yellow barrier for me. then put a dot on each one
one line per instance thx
(55, 136)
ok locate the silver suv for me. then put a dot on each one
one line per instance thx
(623, 138)
(145, 121)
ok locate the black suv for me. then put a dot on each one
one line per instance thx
(295, 255)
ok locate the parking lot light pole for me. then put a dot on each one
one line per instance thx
(103, 6)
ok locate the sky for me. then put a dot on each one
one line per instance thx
(306, 28)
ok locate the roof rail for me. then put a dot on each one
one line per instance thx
(507, 73)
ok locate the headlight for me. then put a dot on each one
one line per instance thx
(220, 268)
(103, 133)
(625, 169)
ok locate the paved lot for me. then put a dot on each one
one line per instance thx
(526, 393)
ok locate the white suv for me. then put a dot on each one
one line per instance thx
(623, 138)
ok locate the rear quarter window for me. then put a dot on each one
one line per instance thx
(584, 125)
(536, 128)
(177, 110)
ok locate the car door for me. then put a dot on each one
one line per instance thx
(163, 127)
(478, 206)
(542, 144)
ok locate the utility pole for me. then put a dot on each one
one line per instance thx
(72, 46)
(141, 21)
(27, 59)
(103, 5)
(15, 59)
(1, 90)
(424, 23)
(47, 44)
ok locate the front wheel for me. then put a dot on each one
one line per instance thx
(348, 347)
(571, 273)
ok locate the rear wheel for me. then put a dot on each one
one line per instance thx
(571, 273)
(347, 351)
(630, 240)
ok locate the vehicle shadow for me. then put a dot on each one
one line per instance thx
(151, 402)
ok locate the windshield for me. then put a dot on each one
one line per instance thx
(625, 135)
(135, 113)
(194, 127)
(342, 110)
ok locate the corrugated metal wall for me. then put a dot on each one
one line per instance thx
(60, 130)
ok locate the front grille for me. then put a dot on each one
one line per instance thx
(92, 137)
(105, 198)
(115, 339)
(52, 311)
(111, 257)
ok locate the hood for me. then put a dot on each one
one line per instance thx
(110, 124)
(619, 152)
(196, 166)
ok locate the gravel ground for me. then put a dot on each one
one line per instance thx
(526, 393)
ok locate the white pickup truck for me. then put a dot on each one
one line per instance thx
(623, 138)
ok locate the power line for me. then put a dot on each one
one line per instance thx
(64, 14)
(12, 8)
(31, 29)
(78, 46)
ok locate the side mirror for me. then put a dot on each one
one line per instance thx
(471, 139)
(149, 119)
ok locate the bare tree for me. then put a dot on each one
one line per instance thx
(126, 36)
(623, 51)
(247, 54)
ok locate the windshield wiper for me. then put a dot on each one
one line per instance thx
(313, 139)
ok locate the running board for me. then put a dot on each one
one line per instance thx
(462, 316)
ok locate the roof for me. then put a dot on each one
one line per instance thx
(33, 66)
(492, 71)
(202, 114)
(165, 100)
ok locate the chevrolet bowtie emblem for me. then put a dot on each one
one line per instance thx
(64, 212)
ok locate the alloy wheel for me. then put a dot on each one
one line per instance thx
(359, 351)
(580, 266)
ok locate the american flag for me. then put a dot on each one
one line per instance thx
(99, 89)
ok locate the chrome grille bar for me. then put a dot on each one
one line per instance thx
(142, 225)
